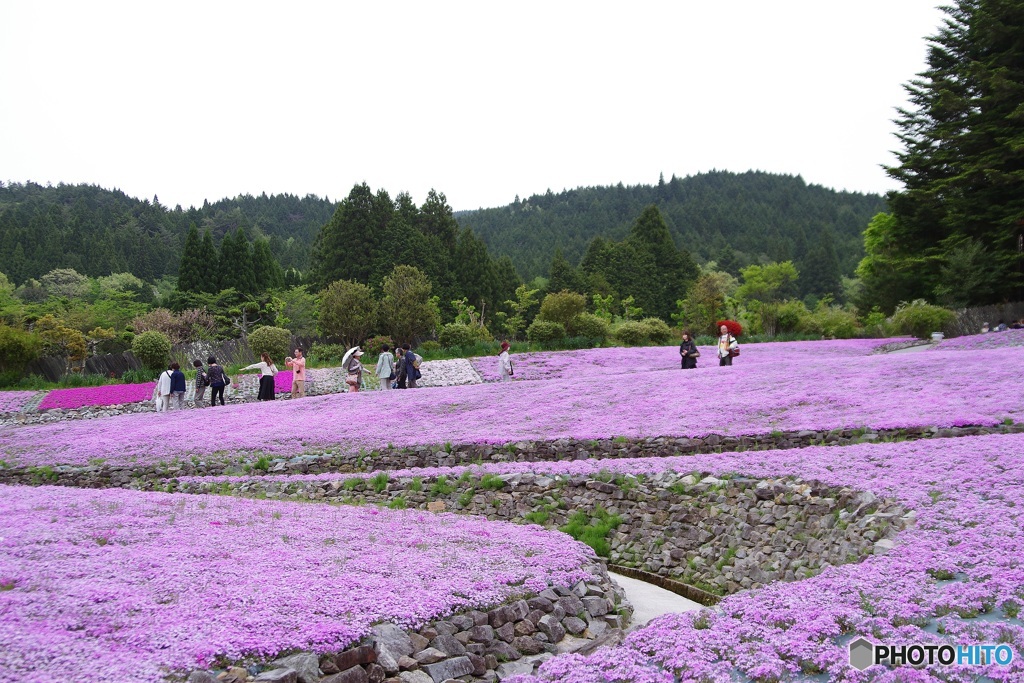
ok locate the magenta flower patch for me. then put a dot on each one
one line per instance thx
(107, 395)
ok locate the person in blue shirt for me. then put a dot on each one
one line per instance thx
(178, 386)
(411, 372)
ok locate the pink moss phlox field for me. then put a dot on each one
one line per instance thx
(774, 387)
(116, 585)
(968, 494)
(14, 401)
(106, 395)
(619, 360)
(978, 342)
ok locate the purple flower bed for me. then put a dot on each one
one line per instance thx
(570, 365)
(107, 395)
(117, 585)
(956, 577)
(786, 390)
(14, 401)
(978, 342)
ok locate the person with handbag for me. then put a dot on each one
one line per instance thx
(355, 371)
(218, 380)
(202, 381)
(505, 363)
(267, 372)
(728, 347)
(688, 352)
(385, 367)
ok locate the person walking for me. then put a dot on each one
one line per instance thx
(163, 391)
(400, 367)
(218, 380)
(202, 381)
(385, 370)
(412, 373)
(505, 363)
(178, 387)
(267, 373)
(727, 347)
(355, 371)
(298, 366)
(688, 351)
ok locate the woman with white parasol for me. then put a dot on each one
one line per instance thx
(354, 366)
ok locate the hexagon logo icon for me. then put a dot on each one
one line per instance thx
(862, 654)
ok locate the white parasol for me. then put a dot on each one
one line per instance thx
(347, 356)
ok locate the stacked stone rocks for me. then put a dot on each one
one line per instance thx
(510, 639)
(720, 535)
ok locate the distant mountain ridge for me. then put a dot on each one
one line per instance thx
(760, 215)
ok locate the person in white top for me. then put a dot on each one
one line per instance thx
(267, 372)
(505, 363)
(385, 367)
(727, 347)
(163, 391)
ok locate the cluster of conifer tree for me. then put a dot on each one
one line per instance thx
(955, 233)
(371, 233)
(735, 219)
(98, 232)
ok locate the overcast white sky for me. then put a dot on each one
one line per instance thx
(480, 100)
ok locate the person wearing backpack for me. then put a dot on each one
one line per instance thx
(218, 380)
(412, 366)
(202, 381)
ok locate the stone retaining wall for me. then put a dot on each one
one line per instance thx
(476, 645)
(720, 535)
(148, 476)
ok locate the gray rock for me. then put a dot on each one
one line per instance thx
(502, 650)
(527, 645)
(550, 627)
(429, 656)
(281, 675)
(408, 664)
(596, 607)
(449, 668)
(393, 640)
(415, 677)
(506, 632)
(574, 625)
(306, 665)
(517, 668)
(448, 645)
(364, 654)
(201, 677)
(355, 674)
(482, 634)
(419, 642)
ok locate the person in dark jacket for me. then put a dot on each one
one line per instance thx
(178, 386)
(688, 351)
(412, 373)
(218, 380)
(201, 382)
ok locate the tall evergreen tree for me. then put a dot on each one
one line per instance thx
(476, 277)
(962, 162)
(674, 269)
(266, 270)
(190, 272)
(345, 248)
(210, 270)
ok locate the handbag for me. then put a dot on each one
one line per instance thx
(391, 377)
(734, 352)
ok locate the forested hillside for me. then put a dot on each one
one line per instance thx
(760, 215)
(98, 232)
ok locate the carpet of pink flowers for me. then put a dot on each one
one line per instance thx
(117, 585)
(977, 342)
(969, 497)
(571, 365)
(14, 401)
(774, 387)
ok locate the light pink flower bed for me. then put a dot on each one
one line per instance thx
(14, 401)
(773, 389)
(118, 586)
